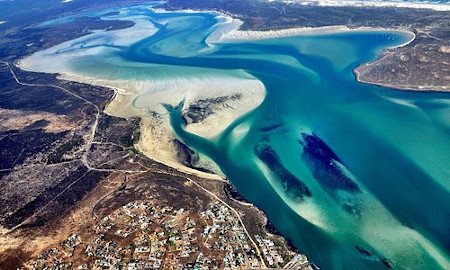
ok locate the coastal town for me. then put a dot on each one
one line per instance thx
(144, 235)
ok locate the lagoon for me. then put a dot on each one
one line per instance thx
(355, 176)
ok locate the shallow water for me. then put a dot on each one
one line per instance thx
(356, 176)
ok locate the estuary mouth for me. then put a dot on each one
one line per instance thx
(331, 161)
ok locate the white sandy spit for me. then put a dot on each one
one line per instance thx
(359, 3)
(229, 32)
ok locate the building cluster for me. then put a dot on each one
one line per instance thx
(270, 251)
(53, 258)
(224, 233)
(145, 235)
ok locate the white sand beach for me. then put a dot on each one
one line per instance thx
(229, 31)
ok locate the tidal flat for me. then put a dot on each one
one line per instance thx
(380, 199)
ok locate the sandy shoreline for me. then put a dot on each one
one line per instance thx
(157, 137)
(230, 32)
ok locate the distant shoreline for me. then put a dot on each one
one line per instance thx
(229, 35)
(362, 3)
(403, 88)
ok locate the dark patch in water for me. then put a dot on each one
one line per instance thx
(318, 149)
(386, 262)
(293, 186)
(363, 251)
(351, 208)
(322, 161)
(270, 128)
(374, 256)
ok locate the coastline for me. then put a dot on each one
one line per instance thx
(403, 88)
(231, 32)
(156, 137)
(389, 53)
(153, 130)
(359, 3)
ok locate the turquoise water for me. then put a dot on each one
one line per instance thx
(355, 176)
